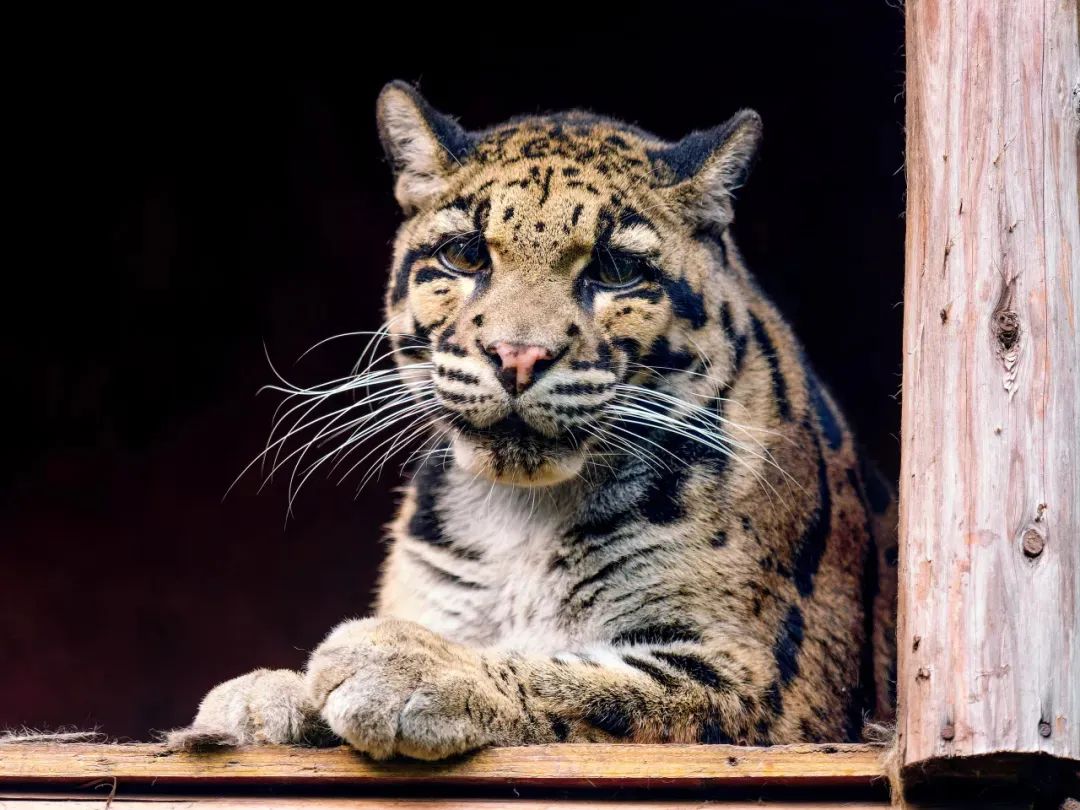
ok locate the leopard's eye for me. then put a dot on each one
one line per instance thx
(463, 255)
(617, 271)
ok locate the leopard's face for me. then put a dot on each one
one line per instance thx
(546, 265)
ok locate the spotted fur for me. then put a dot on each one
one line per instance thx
(669, 536)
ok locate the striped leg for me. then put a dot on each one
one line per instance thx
(392, 687)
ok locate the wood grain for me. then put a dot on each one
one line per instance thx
(320, 803)
(557, 766)
(989, 634)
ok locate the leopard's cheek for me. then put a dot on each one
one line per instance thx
(438, 296)
(634, 320)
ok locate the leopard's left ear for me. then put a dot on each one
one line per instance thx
(424, 146)
(702, 171)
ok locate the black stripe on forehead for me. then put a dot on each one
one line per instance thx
(631, 216)
(605, 226)
(481, 214)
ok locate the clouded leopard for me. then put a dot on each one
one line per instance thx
(635, 512)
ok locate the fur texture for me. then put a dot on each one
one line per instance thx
(669, 535)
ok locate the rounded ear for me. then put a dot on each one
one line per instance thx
(423, 145)
(703, 170)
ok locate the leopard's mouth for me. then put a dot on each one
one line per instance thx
(514, 452)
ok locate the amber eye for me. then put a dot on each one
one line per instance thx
(464, 255)
(617, 271)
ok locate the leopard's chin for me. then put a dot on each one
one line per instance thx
(512, 453)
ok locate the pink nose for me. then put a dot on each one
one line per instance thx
(519, 364)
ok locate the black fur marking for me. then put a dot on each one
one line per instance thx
(719, 540)
(508, 214)
(478, 319)
(667, 633)
(404, 270)
(480, 215)
(774, 699)
(612, 717)
(788, 643)
(697, 668)
(610, 568)
(445, 576)
(571, 171)
(573, 330)
(715, 240)
(540, 227)
(631, 217)
(459, 204)
(712, 731)
(457, 375)
(600, 525)
(662, 357)
(812, 545)
(877, 493)
(546, 187)
(628, 346)
(559, 727)
(581, 388)
(431, 274)
(662, 504)
(686, 302)
(464, 399)
(425, 524)
(738, 340)
(656, 673)
(768, 349)
(603, 359)
(830, 425)
(444, 344)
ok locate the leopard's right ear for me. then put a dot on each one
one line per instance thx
(424, 146)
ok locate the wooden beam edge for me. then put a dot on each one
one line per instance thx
(588, 765)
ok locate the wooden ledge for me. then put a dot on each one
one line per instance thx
(543, 766)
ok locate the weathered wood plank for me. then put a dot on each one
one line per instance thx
(558, 766)
(989, 634)
(319, 803)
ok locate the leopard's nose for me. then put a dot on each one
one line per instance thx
(519, 364)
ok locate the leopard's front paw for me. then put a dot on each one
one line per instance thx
(264, 706)
(391, 687)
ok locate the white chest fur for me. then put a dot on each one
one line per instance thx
(515, 535)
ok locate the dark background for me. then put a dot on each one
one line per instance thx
(189, 202)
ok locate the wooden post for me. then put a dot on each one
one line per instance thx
(989, 635)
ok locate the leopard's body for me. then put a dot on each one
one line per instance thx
(666, 534)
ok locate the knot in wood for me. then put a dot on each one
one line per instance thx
(948, 733)
(1033, 542)
(1044, 728)
(1006, 328)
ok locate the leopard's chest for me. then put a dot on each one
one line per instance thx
(519, 541)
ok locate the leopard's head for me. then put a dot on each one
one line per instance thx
(551, 267)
